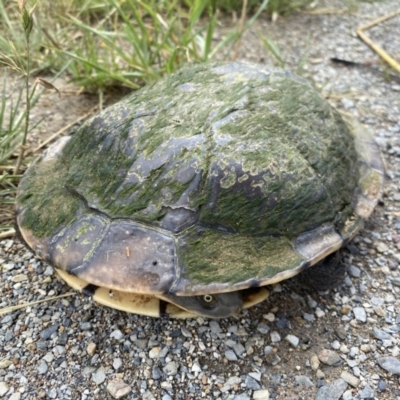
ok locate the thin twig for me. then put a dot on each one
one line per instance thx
(25, 305)
(325, 11)
(241, 28)
(382, 53)
(6, 234)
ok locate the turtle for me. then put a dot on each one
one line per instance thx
(193, 194)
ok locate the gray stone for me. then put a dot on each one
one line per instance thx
(239, 349)
(350, 379)
(85, 326)
(118, 389)
(88, 370)
(49, 357)
(46, 334)
(251, 383)
(42, 367)
(340, 332)
(381, 386)
(353, 271)
(263, 328)
(196, 367)
(147, 395)
(390, 364)
(255, 375)
(171, 368)
(214, 326)
(48, 271)
(381, 335)
(303, 380)
(261, 394)
(328, 357)
(332, 391)
(99, 376)
(185, 332)
(242, 396)
(4, 388)
(154, 352)
(230, 355)
(308, 317)
(366, 393)
(117, 363)
(7, 319)
(156, 373)
(360, 314)
(5, 363)
(141, 343)
(117, 334)
(275, 337)
(293, 340)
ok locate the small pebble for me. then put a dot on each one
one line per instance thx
(99, 376)
(118, 389)
(380, 334)
(4, 388)
(328, 357)
(262, 394)
(230, 355)
(275, 337)
(314, 362)
(360, 314)
(333, 391)
(303, 380)
(251, 383)
(5, 363)
(269, 317)
(390, 364)
(117, 363)
(366, 393)
(171, 368)
(91, 348)
(42, 367)
(263, 328)
(117, 334)
(350, 379)
(293, 340)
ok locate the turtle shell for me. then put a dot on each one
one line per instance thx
(217, 178)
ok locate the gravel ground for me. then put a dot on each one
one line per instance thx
(341, 344)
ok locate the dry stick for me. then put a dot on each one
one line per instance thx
(382, 53)
(327, 10)
(62, 130)
(6, 234)
(241, 27)
(19, 306)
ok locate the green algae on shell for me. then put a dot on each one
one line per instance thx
(216, 178)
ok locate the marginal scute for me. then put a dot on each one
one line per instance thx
(133, 258)
(315, 245)
(215, 261)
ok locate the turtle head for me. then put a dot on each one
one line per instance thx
(219, 305)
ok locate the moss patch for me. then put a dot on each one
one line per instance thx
(218, 257)
(48, 205)
(254, 152)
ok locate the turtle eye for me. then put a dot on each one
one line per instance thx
(208, 300)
